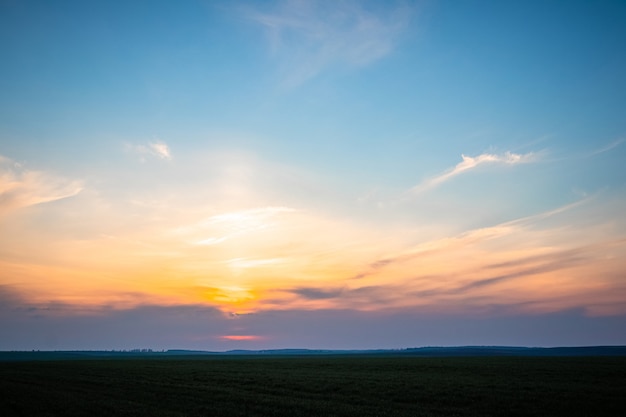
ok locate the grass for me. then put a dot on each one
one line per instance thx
(316, 386)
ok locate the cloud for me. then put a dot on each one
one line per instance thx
(435, 247)
(608, 147)
(56, 326)
(158, 150)
(469, 163)
(194, 247)
(466, 239)
(239, 337)
(233, 224)
(67, 327)
(556, 260)
(27, 326)
(309, 37)
(537, 263)
(550, 279)
(245, 263)
(20, 187)
(310, 293)
(161, 150)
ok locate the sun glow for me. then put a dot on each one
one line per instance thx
(255, 257)
(239, 338)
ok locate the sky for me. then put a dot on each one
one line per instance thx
(225, 175)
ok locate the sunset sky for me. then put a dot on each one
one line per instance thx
(296, 174)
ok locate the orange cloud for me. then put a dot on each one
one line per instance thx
(20, 187)
(239, 337)
(256, 257)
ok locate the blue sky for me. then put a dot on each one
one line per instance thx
(258, 166)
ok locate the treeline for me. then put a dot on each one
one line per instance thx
(137, 351)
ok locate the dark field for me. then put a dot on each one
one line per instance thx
(350, 385)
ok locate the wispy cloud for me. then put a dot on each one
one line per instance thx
(466, 239)
(487, 276)
(20, 187)
(438, 246)
(608, 147)
(158, 150)
(233, 224)
(308, 37)
(469, 163)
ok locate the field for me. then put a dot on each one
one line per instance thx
(350, 385)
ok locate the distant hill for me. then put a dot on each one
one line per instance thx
(453, 351)
(518, 351)
(420, 351)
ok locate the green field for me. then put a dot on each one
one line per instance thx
(316, 386)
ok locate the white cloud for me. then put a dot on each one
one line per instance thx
(608, 147)
(161, 150)
(308, 37)
(20, 187)
(158, 149)
(225, 226)
(469, 163)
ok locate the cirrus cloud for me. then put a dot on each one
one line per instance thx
(309, 37)
(158, 150)
(20, 187)
(469, 163)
